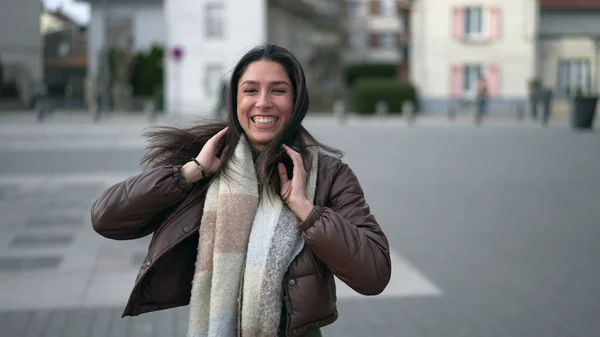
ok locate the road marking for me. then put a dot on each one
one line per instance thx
(26, 181)
(117, 143)
(406, 281)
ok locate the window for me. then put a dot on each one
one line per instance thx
(355, 40)
(573, 75)
(212, 79)
(388, 40)
(214, 20)
(471, 75)
(473, 23)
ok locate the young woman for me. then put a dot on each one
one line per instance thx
(251, 219)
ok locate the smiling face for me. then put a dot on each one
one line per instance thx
(265, 101)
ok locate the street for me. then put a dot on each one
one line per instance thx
(494, 230)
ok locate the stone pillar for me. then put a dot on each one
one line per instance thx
(596, 66)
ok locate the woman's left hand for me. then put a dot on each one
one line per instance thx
(293, 192)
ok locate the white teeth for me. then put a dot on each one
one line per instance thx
(264, 120)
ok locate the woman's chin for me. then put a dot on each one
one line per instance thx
(259, 143)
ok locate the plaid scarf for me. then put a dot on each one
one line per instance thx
(246, 245)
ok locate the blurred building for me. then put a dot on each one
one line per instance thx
(20, 50)
(213, 35)
(65, 57)
(115, 22)
(510, 43)
(203, 39)
(454, 43)
(377, 31)
(55, 21)
(569, 46)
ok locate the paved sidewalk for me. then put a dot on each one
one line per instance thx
(493, 231)
(65, 124)
(58, 278)
(52, 246)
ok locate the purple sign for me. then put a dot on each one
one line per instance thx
(177, 53)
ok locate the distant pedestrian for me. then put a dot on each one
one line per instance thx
(546, 96)
(43, 104)
(251, 218)
(482, 97)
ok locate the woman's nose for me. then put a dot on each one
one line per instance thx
(264, 100)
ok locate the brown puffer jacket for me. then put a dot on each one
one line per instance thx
(342, 237)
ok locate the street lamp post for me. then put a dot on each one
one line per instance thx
(105, 61)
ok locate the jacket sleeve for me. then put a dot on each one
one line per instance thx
(347, 238)
(131, 209)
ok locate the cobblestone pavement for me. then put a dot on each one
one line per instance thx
(494, 229)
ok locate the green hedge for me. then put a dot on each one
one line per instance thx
(367, 91)
(380, 70)
(147, 74)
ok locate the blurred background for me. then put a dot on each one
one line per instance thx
(472, 126)
(172, 57)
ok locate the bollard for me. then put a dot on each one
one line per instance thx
(451, 112)
(533, 108)
(381, 108)
(408, 110)
(339, 111)
(68, 96)
(519, 111)
(150, 110)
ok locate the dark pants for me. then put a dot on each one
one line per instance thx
(481, 110)
(546, 113)
(482, 106)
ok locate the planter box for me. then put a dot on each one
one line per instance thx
(584, 112)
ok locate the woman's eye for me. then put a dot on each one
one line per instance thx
(250, 90)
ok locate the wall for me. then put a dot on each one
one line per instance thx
(245, 26)
(21, 49)
(434, 51)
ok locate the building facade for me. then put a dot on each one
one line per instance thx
(143, 22)
(454, 43)
(569, 44)
(65, 59)
(212, 36)
(223, 30)
(203, 39)
(21, 49)
(375, 31)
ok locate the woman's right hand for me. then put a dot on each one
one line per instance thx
(207, 158)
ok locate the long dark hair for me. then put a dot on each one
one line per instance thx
(175, 146)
